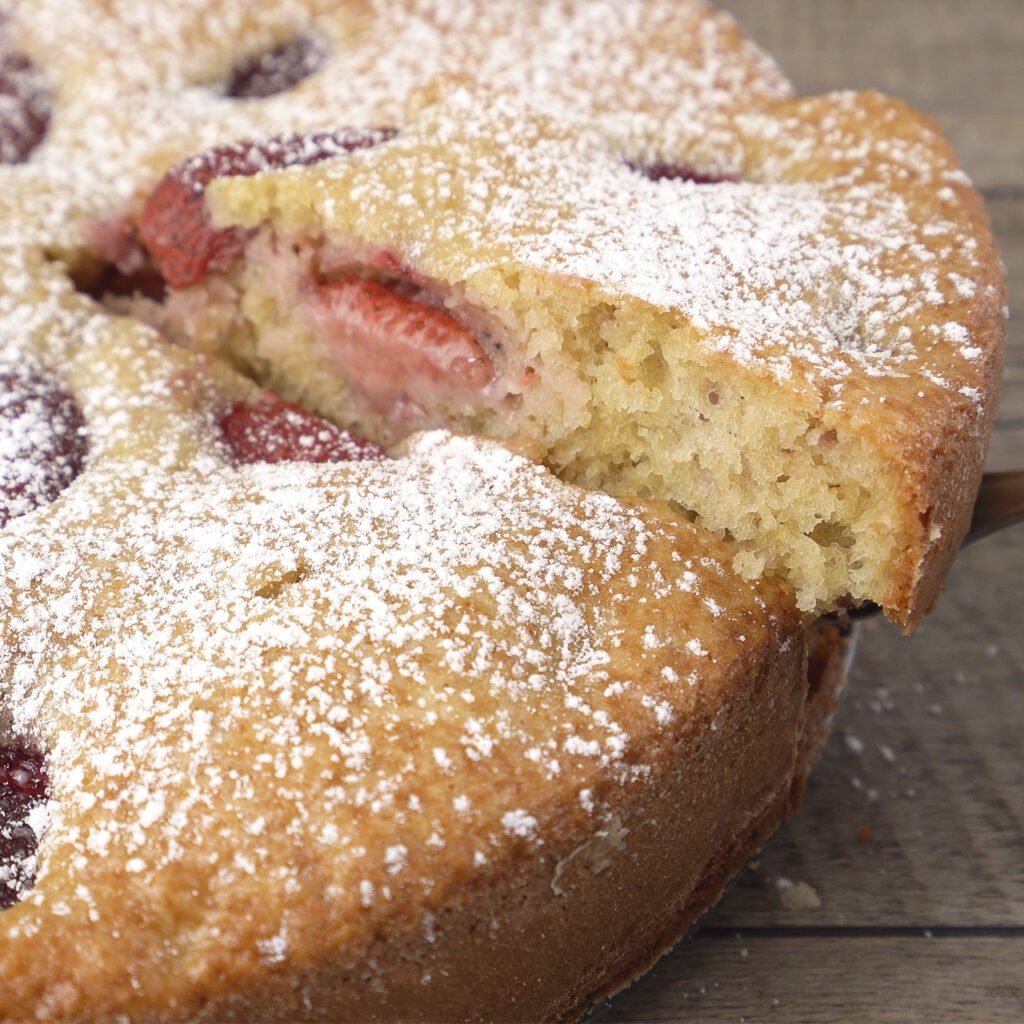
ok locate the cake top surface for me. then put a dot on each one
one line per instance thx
(237, 670)
(643, 71)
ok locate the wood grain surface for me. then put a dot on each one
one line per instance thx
(911, 838)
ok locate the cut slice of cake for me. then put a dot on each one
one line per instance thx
(793, 332)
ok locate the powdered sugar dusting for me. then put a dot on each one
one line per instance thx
(822, 265)
(334, 689)
(42, 442)
(230, 665)
(644, 71)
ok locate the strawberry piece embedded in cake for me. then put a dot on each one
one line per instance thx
(273, 430)
(23, 786)
(174, 224)
(42, 440)
(275, 70)
(680, 172)
(24, 107)
(394, 346)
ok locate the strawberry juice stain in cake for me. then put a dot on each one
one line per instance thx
(401, 343)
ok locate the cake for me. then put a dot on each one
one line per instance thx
(332, 692)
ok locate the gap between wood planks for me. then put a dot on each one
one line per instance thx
(842, 931)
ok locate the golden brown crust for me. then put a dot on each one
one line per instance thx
(668, 859)
(373, 807)
(709, 811)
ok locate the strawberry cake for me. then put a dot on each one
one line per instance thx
(454, 679)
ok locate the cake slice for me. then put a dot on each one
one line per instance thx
(793, 333)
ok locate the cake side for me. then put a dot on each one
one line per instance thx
(613, 903)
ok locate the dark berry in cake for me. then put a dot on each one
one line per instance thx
(174, 224)
(24, 107)
(274, 430)
(42, 439)
(23, 786)
(275, 70)
(680, 172)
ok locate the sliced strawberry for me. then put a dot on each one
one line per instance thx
(396, 349)
(23, 785)
(174, 224)
(22, 776)
(24, 107)
(276, 70)
(274, 430)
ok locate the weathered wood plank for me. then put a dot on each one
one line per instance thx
(1008, 223)
(958, 60)
(845, 979)
(1006, 450)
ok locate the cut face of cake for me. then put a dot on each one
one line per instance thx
(798, 345)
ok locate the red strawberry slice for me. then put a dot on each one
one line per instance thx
(174, 224)
(276, 70)
(274, 430)
(396, 349)
(24, 107)
(42, 440)
(23, 784)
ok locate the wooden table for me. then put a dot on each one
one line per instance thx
(921, 914)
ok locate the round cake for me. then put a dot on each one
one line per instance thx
(430, 433)
(295, 727)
